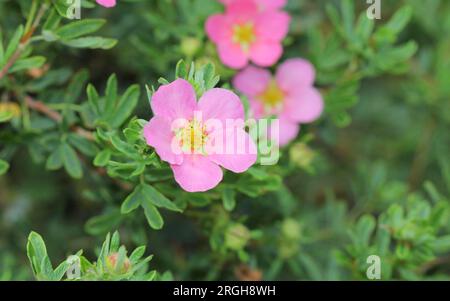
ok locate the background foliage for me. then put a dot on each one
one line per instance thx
(371, 177)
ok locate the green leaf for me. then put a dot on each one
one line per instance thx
(102, 158)
(110, 96)
(93, 98)
(27, 63)
(91, 42)
(85, 146)
(55, 161)
(123, 147)
(126, 106)
(60, 270)
(4, 166)
(103, 223)
(132, 201)
(36, 251)
(13, 44)
(442, 244)
(154, 219)
(157, 198)
(2, 49)
(137, 254)
(52, 21)
(76, 86)
(115, 241)
(6, 116)
(364, 229)
(400, 19)
(61, 7)
(181, 70)
(79, 28)
(71, 161)
(229, 198)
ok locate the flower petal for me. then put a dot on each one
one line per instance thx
(197, 173)
(237, 152)
(304, 105)
(232, 55)
(175, 100)
(221, 104)
(272, 25)
(159, 135)
(256, 108)
(288, 131)
(107, 3)
(265, 54)
(252, 80)
(272, 4)
(242, 8)
(218, 28)
(294, 73)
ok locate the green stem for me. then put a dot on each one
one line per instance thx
(31, 14)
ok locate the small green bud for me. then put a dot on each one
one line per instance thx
(190, 46)
(290, 229)
(301, 154)
(237, 236)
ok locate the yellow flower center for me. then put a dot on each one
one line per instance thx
(192, 137)
(244, 35)
(272, 98)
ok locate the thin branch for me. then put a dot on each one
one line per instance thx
(23, 42)
(41, 107)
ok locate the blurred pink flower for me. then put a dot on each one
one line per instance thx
(290, 95)
(184, 145)
(107, 3)
(262, 4)
(245, 33)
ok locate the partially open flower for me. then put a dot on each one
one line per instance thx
(244, 33)
(197, 138)
(111, 264)
(289, 95)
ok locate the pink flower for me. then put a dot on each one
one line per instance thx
(107, 3)
(182, 135)
(290, 95)
(245, 33)
(262, 4)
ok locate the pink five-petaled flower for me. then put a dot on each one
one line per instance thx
(289, 95)
(245, 33)
(107, 3)
(186, 146)
(262, 4)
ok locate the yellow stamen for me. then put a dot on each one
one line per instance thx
(192, 137)
(244, 35)
(272, 97)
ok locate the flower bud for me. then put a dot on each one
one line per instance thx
(190, 46)
(290, 229)
(111, 264)
(236, 237)
(301, 154)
